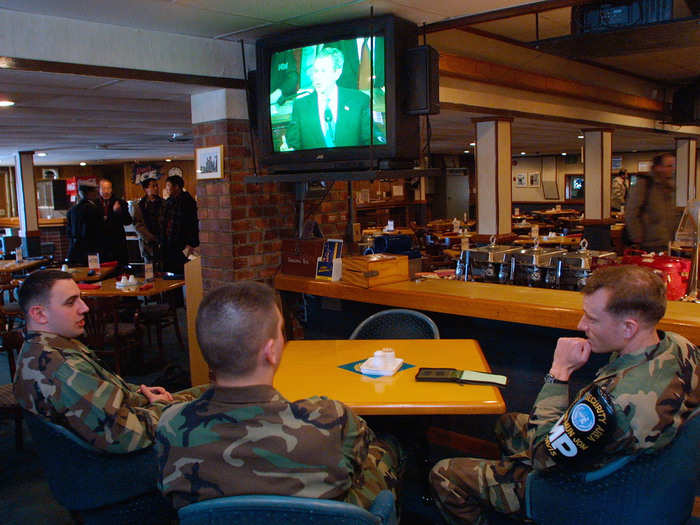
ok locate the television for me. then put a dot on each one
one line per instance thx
(318, 108)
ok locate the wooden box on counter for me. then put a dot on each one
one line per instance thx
(299, 256)
(373, 270)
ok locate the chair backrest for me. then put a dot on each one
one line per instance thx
(12, 343)
(397, 324)
(653, 488)
(82, 477)
(103, 312)
(275, 510)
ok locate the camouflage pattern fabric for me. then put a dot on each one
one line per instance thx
(654, 391)
(62, 380)
(250, 440)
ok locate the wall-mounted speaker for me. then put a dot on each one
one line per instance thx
(685, 108)
(422, 81)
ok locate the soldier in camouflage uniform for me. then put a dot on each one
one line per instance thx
(652, 384)
(243, 437)
(60, 378)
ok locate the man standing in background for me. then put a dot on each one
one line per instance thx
(651, 217)
(180, 228)
(85, 228)
(147, 218)
(115, 215)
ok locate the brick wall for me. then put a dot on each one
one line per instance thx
(58, 237)
(241, 225)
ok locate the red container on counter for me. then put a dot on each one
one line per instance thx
(673, 270)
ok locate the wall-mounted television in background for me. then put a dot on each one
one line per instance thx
(318, 108)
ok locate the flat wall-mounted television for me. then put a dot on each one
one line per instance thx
(331, 97)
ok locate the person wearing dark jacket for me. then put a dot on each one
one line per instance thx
(180, 227)
(85, 228)
(115, 215)
(147, 220)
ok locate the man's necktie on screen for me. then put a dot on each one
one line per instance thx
(329, 135)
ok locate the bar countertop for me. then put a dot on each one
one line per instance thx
(516, 304)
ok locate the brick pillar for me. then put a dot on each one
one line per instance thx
(240, 225)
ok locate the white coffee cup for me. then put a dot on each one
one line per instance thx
(132, 279)
(64, 268)
(124, 280)
(384, 358)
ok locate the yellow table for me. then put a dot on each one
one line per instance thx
(311, 368)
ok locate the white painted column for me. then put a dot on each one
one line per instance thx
(597, 165)
(26, 203)
(493, 174)
(686, 171)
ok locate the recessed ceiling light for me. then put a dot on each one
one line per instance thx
(168, 160)
(6, 103)
(466, 151)
(41, 154)
(522, 153)
(580, 136)
(83, 163)
(564, 154)
(472, 144)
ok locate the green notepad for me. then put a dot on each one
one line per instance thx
(452, 375)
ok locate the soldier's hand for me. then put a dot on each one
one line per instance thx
(156, 394)
(570, 354)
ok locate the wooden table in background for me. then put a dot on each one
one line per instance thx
(312, 368)
(13, 266)
(109, 289)
(80, 273)
(503, 302)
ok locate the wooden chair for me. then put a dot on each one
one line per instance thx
(160, 315)
(11, 344)
(106, 335)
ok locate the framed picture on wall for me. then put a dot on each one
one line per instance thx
(521, 180)
(209, 161)
(533, 179)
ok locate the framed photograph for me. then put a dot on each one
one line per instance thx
(209, 162)
(521, 180)
(533, 179)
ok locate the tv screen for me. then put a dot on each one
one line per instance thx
(330, 97)
(322, 96)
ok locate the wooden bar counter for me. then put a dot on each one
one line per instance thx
(516, 304)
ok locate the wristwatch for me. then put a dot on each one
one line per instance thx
(549, 378)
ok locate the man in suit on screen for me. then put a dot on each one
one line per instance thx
(330, 116)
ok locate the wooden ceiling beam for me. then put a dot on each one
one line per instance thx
(489, 73)
(500, 14)
(627, 41)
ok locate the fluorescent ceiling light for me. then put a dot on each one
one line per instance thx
(6, 103)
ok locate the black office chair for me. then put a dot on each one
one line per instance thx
(397, 324)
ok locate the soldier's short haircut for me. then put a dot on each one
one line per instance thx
(36, 288)
(233, 324)
(633, 290)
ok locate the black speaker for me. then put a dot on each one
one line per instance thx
(685, 108)
(252, 98)
(422, 81)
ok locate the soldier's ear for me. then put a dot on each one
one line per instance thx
(269, 356)
(630, 327)
(37, 314)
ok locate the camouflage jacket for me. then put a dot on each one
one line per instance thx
(250, 440)
(653, 391)
(61, 379)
